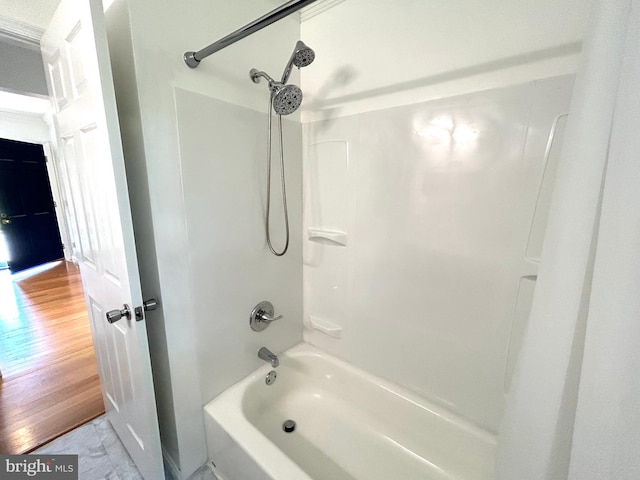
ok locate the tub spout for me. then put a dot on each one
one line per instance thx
(265, 354)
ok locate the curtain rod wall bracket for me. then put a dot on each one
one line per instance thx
(193, 59)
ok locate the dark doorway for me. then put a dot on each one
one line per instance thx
(27, 212)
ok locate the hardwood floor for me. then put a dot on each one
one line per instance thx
(49, 381)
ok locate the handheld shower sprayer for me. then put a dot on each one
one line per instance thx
(301, 57)
(284, 99)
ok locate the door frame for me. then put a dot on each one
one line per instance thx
(60, 197)
(53, 168)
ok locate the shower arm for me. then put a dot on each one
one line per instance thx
(287, 69)
(192, 59)
(255, 76)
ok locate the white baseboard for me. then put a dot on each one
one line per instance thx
(171, 465)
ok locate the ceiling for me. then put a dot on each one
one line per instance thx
(35, 13)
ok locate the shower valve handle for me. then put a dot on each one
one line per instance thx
(262, 316)
(265, 317)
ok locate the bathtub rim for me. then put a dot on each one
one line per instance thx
(225, 409)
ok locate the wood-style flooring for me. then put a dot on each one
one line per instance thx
(49, 381)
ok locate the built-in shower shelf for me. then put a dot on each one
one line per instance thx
(529, 268)
(325, 326)
(327, 237)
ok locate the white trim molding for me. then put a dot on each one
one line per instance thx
(317, 8)
(21, 34)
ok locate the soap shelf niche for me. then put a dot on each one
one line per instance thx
(327, 237)
(325, 326)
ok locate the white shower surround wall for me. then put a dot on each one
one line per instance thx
(436, 201)
(224, 173)
(434, 285)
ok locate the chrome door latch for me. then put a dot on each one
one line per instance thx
(115, 315)
(147, 306)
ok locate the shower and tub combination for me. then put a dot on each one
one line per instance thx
(305, 414)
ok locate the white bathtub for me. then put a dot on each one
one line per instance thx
(350, 426)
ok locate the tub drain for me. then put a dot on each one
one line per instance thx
(271, 377)
(289, 426)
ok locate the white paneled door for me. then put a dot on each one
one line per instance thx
(76, 58)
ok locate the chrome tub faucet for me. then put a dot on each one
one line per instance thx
(268, 356)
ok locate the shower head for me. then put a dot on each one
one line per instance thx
(286, 98)
(301, 57)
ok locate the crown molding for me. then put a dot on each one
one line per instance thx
(20, 34)
(312, 10)
(317, 8)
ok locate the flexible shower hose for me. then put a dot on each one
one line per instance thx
(282, 182)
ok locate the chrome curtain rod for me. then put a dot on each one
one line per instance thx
(193, 58)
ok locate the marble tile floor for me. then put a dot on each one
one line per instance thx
(101, 455)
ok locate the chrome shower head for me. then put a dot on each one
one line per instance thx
(286, 98)
(301, 57)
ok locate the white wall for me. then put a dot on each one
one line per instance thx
(433, 287)
(197, 202)
(378, 53)
(22, 69)
(223, 152)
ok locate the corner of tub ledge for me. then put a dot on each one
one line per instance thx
(305, 348)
